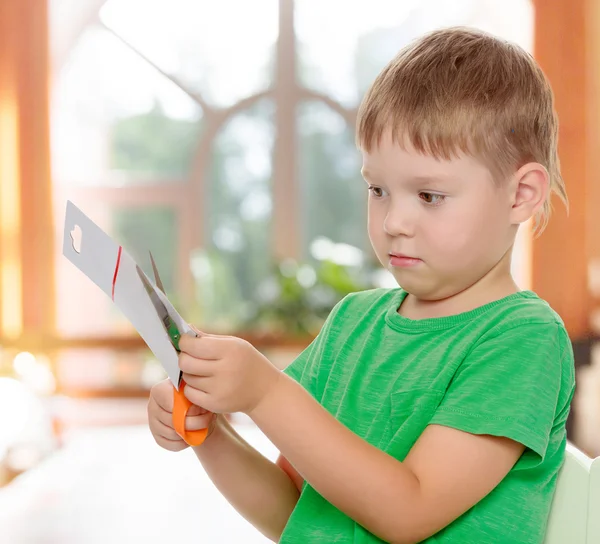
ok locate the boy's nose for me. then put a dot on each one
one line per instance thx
(398, 222)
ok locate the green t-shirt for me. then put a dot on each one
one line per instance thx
(505, 369)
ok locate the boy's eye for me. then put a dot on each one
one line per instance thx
(431, 198)
(377, 192)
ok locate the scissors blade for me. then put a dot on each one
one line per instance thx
(156, 274)
(161, 310)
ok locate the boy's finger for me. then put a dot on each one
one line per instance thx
(166, 418)
(165, 430)
(195, 367)
(198, 331)
(203, 347)
(195, 382)
(196, 411)
(162, 395)
(195, 423)
(171, 445)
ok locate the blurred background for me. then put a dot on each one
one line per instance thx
(220, 136)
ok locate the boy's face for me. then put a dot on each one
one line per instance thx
(448, 216)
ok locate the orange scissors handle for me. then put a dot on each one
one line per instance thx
(181, 405)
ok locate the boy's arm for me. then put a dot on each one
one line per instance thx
(446, 472)
(287, 467)
(257, 488)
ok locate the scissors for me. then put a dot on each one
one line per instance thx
(181, 404)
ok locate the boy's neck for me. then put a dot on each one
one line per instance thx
(414, 308)
(495, 285)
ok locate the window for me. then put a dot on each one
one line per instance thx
(220, 136)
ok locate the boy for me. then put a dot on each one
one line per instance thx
(435, 411)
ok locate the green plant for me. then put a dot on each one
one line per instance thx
(296, 299)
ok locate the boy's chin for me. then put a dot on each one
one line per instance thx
(421, 288)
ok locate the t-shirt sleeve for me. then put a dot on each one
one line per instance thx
(301, 369)
(305, 368)
(515, 384)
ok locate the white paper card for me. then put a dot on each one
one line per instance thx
(97, 259)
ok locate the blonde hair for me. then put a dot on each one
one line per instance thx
(463, 90)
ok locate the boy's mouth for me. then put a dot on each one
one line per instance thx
(403, 261)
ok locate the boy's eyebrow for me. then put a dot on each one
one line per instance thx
(435, 180)
(432, 180)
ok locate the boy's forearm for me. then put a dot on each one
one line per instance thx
(347, 471)
(256, 487)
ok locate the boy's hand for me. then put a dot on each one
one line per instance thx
(160, 418)
(225, 373)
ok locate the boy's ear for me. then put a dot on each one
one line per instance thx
(531, 188)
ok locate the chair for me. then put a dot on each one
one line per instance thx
(574, 515)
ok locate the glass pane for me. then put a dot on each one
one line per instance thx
(222, 50)
(139, 230)
(116, 120)
(238, 218)
(368, 38)
(150, 229)
(334, 195)
(153, 144)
